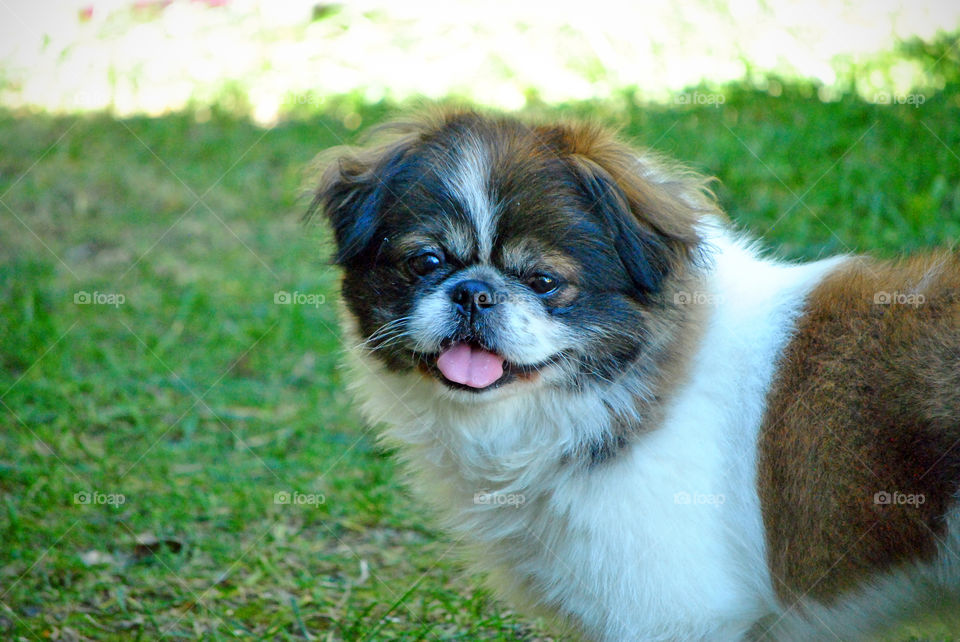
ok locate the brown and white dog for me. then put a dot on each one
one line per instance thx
(642, 426)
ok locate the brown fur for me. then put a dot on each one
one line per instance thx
(664, 197)
(867, 400)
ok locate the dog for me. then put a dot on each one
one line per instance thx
(637, 423)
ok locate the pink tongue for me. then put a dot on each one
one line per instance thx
(470, 366)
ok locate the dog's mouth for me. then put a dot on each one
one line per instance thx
(470, 366)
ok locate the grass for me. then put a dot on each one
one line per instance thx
(198, 398)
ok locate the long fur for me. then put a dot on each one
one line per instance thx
(614, 486)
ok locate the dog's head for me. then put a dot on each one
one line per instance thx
(487, 253)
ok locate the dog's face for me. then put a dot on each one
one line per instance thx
(489, 254)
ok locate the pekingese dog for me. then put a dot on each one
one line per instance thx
(643, 427)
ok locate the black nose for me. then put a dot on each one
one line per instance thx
(473, 297)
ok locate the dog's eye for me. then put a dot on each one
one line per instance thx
(424, 264)
(543, 283)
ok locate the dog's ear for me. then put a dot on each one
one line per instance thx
(645, 256)
(355, 188)
(650, 207)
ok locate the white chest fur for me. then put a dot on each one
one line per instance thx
(662, 542)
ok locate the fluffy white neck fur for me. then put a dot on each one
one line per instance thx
(662, 542)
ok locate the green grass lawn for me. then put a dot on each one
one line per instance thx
(198, 398)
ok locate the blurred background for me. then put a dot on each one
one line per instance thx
(270, 59)
(178, 456)
(273, 58)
